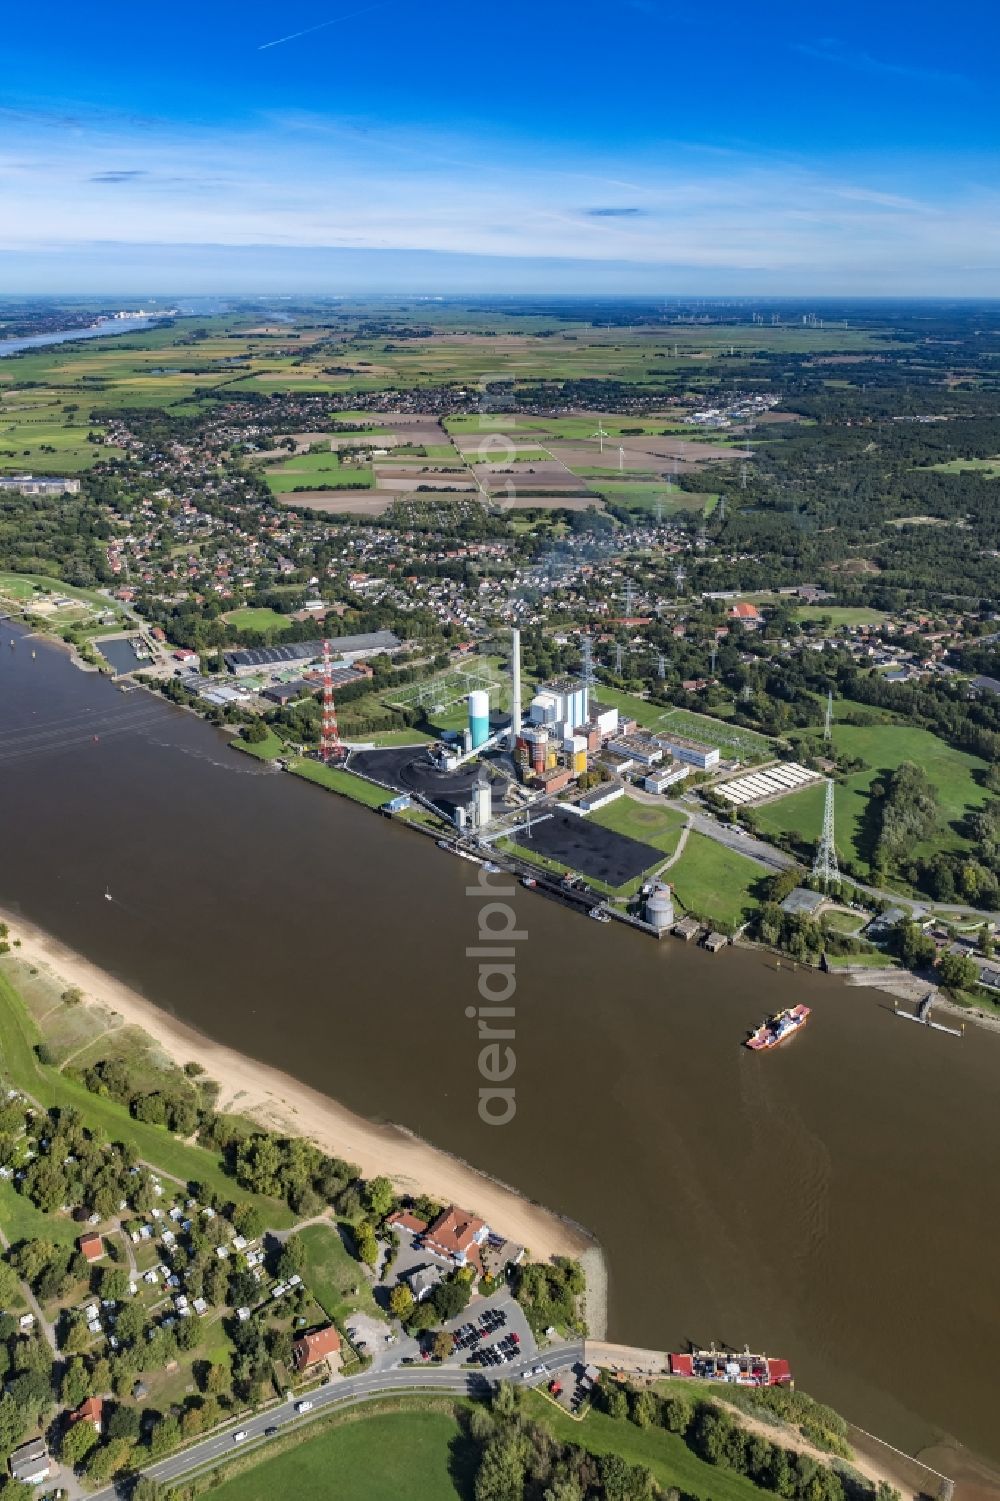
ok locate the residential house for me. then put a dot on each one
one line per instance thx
(311, 1348)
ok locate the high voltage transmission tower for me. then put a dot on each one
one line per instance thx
(825, 867)
(330, 743)
(828, 721)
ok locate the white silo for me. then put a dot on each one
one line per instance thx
(482, 803)
(660, 908)
(479, 717)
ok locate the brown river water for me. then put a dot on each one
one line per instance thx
(834, 1202)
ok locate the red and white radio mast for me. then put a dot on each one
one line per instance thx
(330, 743)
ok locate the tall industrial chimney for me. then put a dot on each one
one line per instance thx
(515, 694)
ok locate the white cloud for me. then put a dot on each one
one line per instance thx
(303, 181)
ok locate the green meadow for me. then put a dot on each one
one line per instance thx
(882, 746)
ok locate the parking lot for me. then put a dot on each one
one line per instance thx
(495, 1327)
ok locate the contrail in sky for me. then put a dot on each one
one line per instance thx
(294, 35)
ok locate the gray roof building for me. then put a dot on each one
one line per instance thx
(802, 901)
(350, 647)
(30, 1463)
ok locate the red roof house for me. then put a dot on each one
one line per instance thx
(312, 1348)
(749, 614)
(92, 1247)
(90, 1411)
(457, 1234)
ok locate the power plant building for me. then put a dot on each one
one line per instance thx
(561, 705)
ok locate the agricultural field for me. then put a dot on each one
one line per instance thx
(882, 746)
(318, 471)
(43, 430)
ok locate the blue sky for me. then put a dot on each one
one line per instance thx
(639, 146)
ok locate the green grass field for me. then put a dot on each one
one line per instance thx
(370, 1457)
(656, 825)
(24, 586)
(666, 1454)
(646, 497)
(843, 922)
(840, 615)
(264, 750)
(881, 746)
(257, 619)
(714, 882)
(989, 467)
(317, 471)
(20, 1220)
(333, 1276)
(416, 1450)
(338, 780)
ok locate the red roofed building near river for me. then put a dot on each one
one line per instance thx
(457, 1234)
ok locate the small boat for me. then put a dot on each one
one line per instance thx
(529, 881)
(108, 897)
(599, 914)
(777, 1029)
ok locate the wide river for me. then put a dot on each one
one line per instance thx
(835, 1203)
(70, 335)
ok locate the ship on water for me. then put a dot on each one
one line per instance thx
(777, 1029)
(728, 1366)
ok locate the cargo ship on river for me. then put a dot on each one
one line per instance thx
(777, 1029)
(728, 1366)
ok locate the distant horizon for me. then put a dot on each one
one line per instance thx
(320, 295)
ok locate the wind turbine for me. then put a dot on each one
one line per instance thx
(600, 434)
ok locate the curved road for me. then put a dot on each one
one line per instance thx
(530, 1370)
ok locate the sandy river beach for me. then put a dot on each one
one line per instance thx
(283, 1104)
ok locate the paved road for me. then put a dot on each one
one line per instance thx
(348, 1393)
(743, 844)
